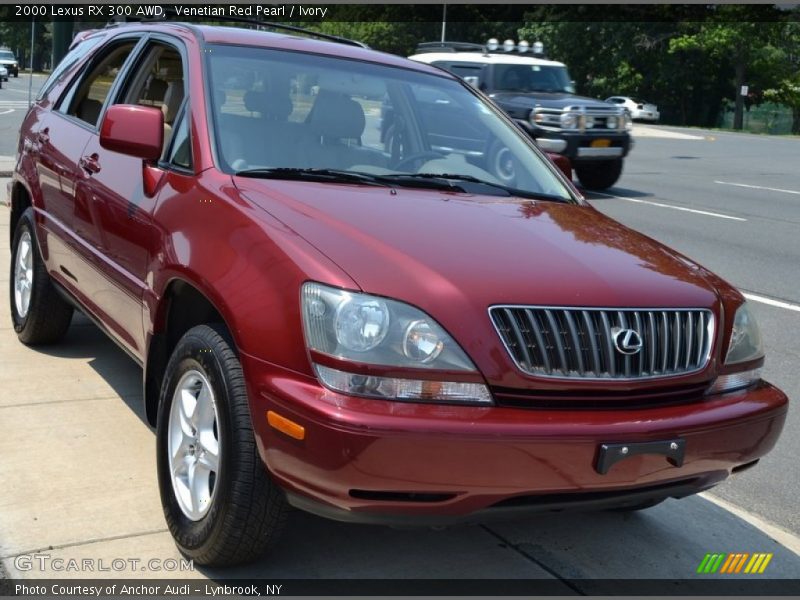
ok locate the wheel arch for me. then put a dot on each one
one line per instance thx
(181, 306)
(20, 200)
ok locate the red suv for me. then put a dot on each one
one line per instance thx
(397, 334)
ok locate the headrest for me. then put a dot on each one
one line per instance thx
(89, 110)
(337, 116)
(156, 90)
(172, 100)
(274, 106)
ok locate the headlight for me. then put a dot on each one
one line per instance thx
(611, 122)
(628, 121)
(569, 121)
(588, 122)
(745, 346)
(745, 341)
(371, 330)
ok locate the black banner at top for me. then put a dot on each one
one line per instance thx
(305, 13)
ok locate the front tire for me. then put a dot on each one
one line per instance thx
(39, 314)
(599, 174)
(219, 502)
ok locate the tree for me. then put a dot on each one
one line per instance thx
(737, 37)
(786, 88)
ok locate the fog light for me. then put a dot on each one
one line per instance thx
(734, 381)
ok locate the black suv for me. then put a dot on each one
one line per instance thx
(540, 96)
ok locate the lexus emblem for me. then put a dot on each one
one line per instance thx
(627, 341)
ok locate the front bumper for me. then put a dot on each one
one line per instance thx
(390, 462)
(580, 147)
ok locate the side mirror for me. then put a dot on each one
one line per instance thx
(134, 130)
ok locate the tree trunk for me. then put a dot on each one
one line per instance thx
(738, 115)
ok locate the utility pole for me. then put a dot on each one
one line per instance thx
(444, 20)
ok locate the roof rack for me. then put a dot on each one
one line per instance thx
(424, 47)
(268, 24)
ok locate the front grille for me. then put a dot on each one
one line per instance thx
(579, 343)
(550, 118)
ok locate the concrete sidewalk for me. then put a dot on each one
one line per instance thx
(78, 481)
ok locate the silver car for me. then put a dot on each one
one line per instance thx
(640, 110)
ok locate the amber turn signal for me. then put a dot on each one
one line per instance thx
(286, 426)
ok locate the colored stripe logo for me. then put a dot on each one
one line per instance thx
(734, 563)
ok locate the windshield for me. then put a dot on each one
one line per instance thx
(280, 111)
(6, 55)
(532, 78)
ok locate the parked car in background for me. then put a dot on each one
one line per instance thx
(9, 61)
(540, 96)
(638, 109)
(432, 334)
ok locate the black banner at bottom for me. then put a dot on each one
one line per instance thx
(752, 586)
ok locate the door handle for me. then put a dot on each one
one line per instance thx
(43, 136)
(90, 164)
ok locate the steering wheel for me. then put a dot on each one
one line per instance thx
(409, 160)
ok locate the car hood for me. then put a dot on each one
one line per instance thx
(546, 100)
(455, 255)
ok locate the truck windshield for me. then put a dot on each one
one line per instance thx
(532, 78)
(284, 114)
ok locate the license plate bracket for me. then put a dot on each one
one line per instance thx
(610, 454)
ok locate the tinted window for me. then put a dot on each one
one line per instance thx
(532, 78)
(86, 98)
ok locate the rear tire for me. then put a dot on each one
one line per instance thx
(39, 314)
(600, 174)
(238, 512)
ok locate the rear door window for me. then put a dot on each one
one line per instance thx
(87, 96)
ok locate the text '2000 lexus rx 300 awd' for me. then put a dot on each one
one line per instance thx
(423, 331)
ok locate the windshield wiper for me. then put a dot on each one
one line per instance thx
(509, 191)
(325, 175)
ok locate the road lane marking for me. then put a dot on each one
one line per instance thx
(771, 302)
(682, 208)
(5, 112)
(785, 538)
(758, 187)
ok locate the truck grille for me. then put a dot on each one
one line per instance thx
(584, 343)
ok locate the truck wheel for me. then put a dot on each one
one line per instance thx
(600, 174)
(39, 314)
(219, 502)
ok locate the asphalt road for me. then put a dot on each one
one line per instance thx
(700, 184)
(13, 105)
(77, 471)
